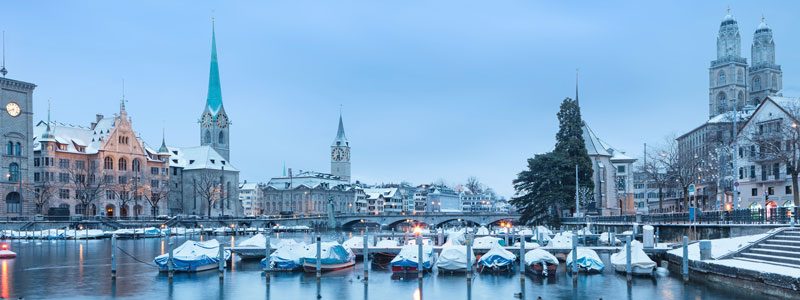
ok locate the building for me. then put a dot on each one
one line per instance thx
(308, 193)
(384, 200)
(623, 179)
(440, 198)
(203, 181)
(100, 169)
(251, 195)
(340, 154)
(762, 174)
(472, 202)
(16, 129)
(604, 196)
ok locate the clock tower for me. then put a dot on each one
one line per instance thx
(340, 154)
(16, 138)
(214, 122)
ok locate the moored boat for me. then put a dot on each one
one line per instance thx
(541, 262)
(287, 257)
(193, 256)
(641, 264)
(587, 260)
(333, 256)
(453, 258)
(497, 259)
(407, 261)
(6, 253)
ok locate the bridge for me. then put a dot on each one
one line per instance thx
(384, 220)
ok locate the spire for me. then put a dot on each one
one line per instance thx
(3, 70)
(163, 148)
(48, 135)
(576, 88)
(122, 101)
(214, 99)
(341, 138)
(284, 168)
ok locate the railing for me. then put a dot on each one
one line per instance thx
(775, 215)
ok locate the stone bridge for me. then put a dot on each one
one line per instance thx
(392, 220)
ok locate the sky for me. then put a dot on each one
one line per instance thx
(428, 90)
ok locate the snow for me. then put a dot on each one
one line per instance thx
(561, 240)
(760, 267)
(720, 247)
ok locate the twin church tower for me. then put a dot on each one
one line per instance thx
(732, 83)
(215, 124)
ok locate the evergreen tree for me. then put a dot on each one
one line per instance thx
(548, 185)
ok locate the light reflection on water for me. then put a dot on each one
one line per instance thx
(56, 270)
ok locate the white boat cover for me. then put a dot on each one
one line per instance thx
(414, 241)
(604, 239)
(192, 255)
(331, 253)
(546, 233)
(485, 242)
(587, 259)
(537, 256)
(356, 242)
(454, 257)
(482, 231)
(456, 238)
(386, 244)
(638, 258)
(584, 231)
(287, 256)
(561, 240)
(408, 257)
(528, 245)
(497, 257)
(257, 241)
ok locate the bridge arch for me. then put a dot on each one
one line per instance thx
(366, 221)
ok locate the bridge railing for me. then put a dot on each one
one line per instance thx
(774, 215)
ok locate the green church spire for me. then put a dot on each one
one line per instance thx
(214, 100)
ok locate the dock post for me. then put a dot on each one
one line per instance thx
(705, 249)
(267, 264)
(419, 257)
(170, 266)
(366, 257)
(522, 257)
(469, 257)
(685, 259)
(574, 255)
(612, 239)
(655, 244)
(628, 268)
(114, 257)
(319, 257)
(440, 236)
(221, 261)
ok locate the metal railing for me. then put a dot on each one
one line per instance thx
(774, 215)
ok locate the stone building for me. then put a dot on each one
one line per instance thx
(16, 134)
(100, 169)
(251, 195)
(308, 193)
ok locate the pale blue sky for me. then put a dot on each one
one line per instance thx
(430, 89)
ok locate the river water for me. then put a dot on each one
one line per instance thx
(81, 270)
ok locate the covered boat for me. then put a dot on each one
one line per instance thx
(641, 264)
(497, 259)
(355, 242)
(485, 242)
(333, 256)
(6, 253)
(541, 262)
(255, 246)
(453, 258)
(605, 239)
(193, 256)
(588, 261)
(383, 257)
(408, 259)
(287, 257)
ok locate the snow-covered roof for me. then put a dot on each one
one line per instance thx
(199, 157)
(376, 193)
(592, 142)
(248, 186)
(74, 136)
(787, 103)
(309, 179)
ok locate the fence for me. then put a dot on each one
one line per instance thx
(775, 215)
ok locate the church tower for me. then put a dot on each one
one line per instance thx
(765, 77)
(214, 122)
(727, 72)
(340, 154)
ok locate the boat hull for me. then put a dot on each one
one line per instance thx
(312, 267)
(635, 270)
(538, 269)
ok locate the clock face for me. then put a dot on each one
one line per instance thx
(337, 154)
(222, 121)
(12, 108)
(205, 121)
(346, 154)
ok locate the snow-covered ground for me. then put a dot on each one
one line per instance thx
(720, 247)
(760, 267)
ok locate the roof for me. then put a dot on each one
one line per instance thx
(376, 193)
(309, 179)
(341, 138)
(75, 135)
(214, 99)
(199, 157)
(248, 186)
(592, 142)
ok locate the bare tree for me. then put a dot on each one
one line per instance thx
(774, 142)
(474, 185)
(89, 184)
(157, 194)
(671, 166)
(42, 193)
(206, 186)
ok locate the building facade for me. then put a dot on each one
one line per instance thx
(308, 193)
(340, 154)
(16, 129)
(251, 195)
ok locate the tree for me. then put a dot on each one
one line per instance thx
(42, 193)
(206, 186)
(684, 167)
(157, 194)
(548, 186)
(89, 184)
(655, 168)
(474, 185)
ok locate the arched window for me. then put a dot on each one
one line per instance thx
(721, 78)
(774, 81)
(221, 138)
(13, 202)
(18, 149)
(722, 103)
(135, 165)
(13, 172)
(740, 77)
(108, 163)
(756, 83)
(10, 148)
(207, 137)
(123, 164)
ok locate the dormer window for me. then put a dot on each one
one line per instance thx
(191, 161)
(212, 161)
(175, 161)
(223, 162)
(175, 152)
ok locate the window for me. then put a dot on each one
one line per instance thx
(108, 179)
(13, 172)
(123, 180)
(63, 177)
(207, 137)
(108, 163)
(741, 152)
(63, 194)
(788, 190)
(13, 202)
(756, 83)
(620, 169)
(770, 191)
(80, 165)
(753, 171)
(36, 162)
(753, 150)
(722, 104)
(10, 148)
(123, 164)
(221, 138)
(754, 192)
(135, 165)
(774, 82)
(37, 177)
(740, 76)
(776, 170)
(153, 170)
(18, 149)
(721, 78)
(110, 195)
(154, 183)
(741, 173)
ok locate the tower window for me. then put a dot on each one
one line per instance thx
(221, 138)
(18, 149)
(10, 148)
(721, 78)
(756, 83)
(207, 137)
(13, 172)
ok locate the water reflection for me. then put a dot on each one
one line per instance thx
(4, 290)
